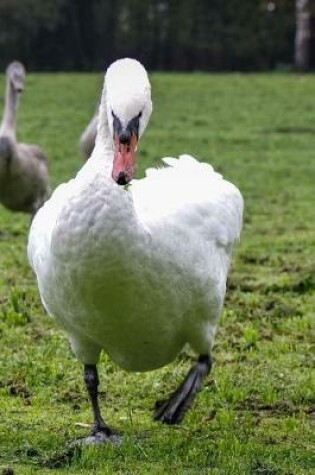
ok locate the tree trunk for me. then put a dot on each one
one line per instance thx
(303, 34)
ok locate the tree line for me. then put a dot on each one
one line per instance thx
(183, 35)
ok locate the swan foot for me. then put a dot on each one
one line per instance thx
(101, 437)
(172, 410)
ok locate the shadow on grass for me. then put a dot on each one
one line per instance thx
(289, 130)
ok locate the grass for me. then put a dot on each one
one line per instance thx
(256, 413)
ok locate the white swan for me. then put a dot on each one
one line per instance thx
(88, 136)
(137, 270)
(23, 167)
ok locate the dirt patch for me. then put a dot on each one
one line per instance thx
(7, 471)
(254, 259)
(277, 309)
(30, 452)
(291, 278)
(17, 388)
(265, 308)
(276, 409)
(298, 285)
(261, 468)
(293, 129)
(62, 459)
(74, 398)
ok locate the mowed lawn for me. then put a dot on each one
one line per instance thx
(255, 415)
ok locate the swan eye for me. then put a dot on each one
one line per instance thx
(140, 114)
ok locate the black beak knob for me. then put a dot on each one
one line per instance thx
(122, 180)
(125, 137)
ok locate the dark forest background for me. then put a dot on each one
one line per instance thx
(165, 34)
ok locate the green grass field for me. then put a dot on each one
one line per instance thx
(256, 413)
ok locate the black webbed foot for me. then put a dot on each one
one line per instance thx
(172, 410)
(101, 437)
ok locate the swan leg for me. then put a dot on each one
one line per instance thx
(101, 431)
(172, 410)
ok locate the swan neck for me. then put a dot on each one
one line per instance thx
(9, 115)
(103, 136)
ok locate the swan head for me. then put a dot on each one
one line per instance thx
(16, 76)
(129, 106)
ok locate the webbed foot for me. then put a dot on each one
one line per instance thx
(101, 437)
(172, 410)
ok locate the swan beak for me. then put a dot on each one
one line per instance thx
(18, 84)
(19, 87)
(124, 159)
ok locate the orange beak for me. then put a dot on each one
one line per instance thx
(124, 160)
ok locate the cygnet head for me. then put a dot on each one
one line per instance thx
(16, 75)
(129, 106)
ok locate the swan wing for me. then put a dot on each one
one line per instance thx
(87, 139)
(32, 151)
(42, 228)
(190, 195)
